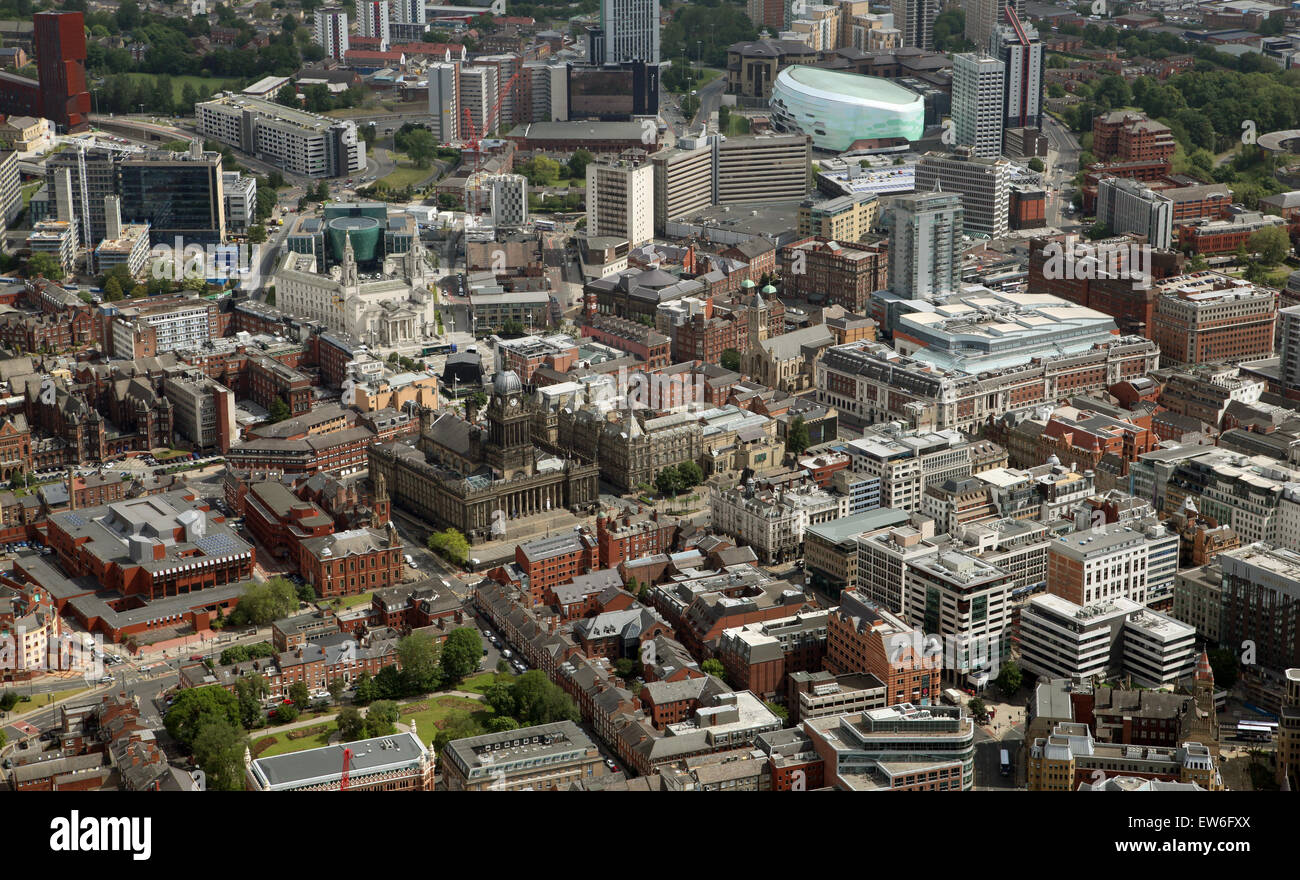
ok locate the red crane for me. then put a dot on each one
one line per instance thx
(472, 142)
(347, 759)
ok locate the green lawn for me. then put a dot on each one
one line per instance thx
(440, 709)
(353, 601)
(30, 190)
(737, 125)
(169, 454)
(284, 745)
(406, 174)
(179, 82)
(477, 684)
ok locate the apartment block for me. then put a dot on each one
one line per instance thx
(1211, 318)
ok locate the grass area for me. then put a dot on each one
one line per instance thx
(39, 700)
(737, 125)
(169, 454)
(283, 745)
(353, 601)
(405, 174)
(30, 190)
(477, 684)
(433, 713)
(199, 82)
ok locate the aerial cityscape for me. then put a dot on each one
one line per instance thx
(650, 395)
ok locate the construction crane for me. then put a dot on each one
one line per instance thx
(347, 759)
(474, 135)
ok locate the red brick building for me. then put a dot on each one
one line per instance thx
(631, 536)
(1130, 136)
(352, 562)
(549, 562)
(860, 637)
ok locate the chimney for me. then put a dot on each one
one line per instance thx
(112, 218)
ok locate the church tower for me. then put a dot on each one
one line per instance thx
(509, 447)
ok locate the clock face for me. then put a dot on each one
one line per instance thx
(514, 401)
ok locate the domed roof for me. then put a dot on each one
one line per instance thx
(748, 283)
(769, 289)
(507, 382)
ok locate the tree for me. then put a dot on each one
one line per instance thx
(352, 726)
(381, 718)
(730, 359)
(418, 655)
(461, 654)
(1271, 243)
(690, 474)
(668, 481)
(300, 694)
(713, 666)
(265, 602)
(538, 700)
(626, 667)
(278, 411)
(778, 710)
(499, 695)
(219, 749)
(977, 708)
(286, 713)
(450, 544)
(112, 290)
(458, 726)
(45, 266)
(1223, 662)
(1010, 678)
(8, 700)
(250, 690)
(578, 163)
(366, 691)
(797, 439)
(194, 708)
(501, 724)
(336, 688)
(257, 234)
(1036, 164)
(421, 147)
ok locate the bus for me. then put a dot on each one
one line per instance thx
(1005, 768)
(1256, 731)
(544, 225)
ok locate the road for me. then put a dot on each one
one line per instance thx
(710, 100)
(1062, 165)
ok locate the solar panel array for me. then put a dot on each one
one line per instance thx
(75, 519)
(217, 545)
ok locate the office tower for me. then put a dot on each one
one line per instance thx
(88, 200)
(1125, 205)
(509, 199)
(444, 100)
(178, 194)
(620, 200)
(984, 16)
(1289, 368)
(595, 45)
(332, 32)
(984, 186)
(1019, 49)
(925, 245)
(684, 182)
(631, 30)
(915, 22)
(241, 200)
(478, 95)
(293, 140)
(977, 103)
(373, 21)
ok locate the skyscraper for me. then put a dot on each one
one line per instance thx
(179, 194)
(332, 32)
(915, 21)
(925, 245)
(620, 200)
(59, 39)
(631, 30)
(407, 21)
(1019, 49)
(984, 185)
(372, 20)
(984, 16)
(977, 103)
(444, 100)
